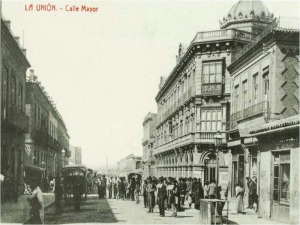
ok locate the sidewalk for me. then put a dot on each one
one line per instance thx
(249, 217)
(18, 212)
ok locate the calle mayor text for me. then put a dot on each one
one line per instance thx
(53, 7)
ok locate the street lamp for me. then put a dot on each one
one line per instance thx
(63, 153)
(218, 143)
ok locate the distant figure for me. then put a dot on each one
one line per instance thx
(137, 191)
(239, 198)
(145, 193)
(36, 202)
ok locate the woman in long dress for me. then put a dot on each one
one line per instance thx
(239, 198)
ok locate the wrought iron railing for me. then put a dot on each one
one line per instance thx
(246, 113)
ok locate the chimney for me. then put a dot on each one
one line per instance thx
(24, 51)
(7, 23)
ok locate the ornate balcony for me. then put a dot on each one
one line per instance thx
(179, 102)
(180, 141)
(17, 118)
(247, 113)
(223, 35)
(212, 89)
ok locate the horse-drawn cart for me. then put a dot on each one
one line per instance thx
(76, 182)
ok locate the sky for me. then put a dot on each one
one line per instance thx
(102, 69)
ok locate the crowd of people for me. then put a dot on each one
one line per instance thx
(166, 192)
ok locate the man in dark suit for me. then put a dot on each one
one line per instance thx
(252, 193)
(162, 195)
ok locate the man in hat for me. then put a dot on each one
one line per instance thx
(161, 196)
(151, 197)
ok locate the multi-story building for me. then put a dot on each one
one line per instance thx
(129, 164)
(14, 122)
(193, 101)
(263, 132)
(75, 158)
(148, 141)
(47, 143)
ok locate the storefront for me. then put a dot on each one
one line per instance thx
(278, 144)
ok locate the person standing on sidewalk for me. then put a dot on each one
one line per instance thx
(37, 203)
(58, 191)
(151, 197)
(239, 198)
(161, 196)
(137, 191)
(212, 189)
(145, 193)
(206, 189)
(174, 197)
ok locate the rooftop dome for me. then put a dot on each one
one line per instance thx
(247, 10)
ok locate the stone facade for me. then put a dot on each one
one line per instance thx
(148, 142)
(129, 165)
(194, 100)
(14, 122)
(48, 134)
(265, 93)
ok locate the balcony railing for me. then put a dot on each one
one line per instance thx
(17, 118)
(203, 137)
(223, 34)
(246, 113)
(191, 92)
(212, 89)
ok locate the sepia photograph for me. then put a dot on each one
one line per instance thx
(149, 112)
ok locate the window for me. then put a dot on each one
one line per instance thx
(281, 177)
(255, 88)
(4, 92)
(13, 90)
(20, 97)
(236, 98)
(211, 120)
(245, 93)
(266, 80)
(212, 72)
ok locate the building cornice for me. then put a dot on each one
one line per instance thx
(203, 38)
(15, 49)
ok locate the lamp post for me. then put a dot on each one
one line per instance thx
(218, 142)
(63, 153)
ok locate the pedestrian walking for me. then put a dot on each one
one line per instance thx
(58, 191)
(36, 203)
(239, 198)
(174, 198)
